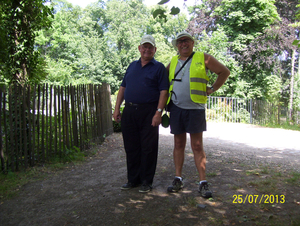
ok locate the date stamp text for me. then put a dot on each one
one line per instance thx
(258, 199)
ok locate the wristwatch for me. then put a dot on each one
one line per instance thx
(159, 110)
(212, 88)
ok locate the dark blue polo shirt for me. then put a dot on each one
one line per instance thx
(143, 84)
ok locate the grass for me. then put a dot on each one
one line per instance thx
(235, 187)
(265, 170)
(11, 182)
(294, 178)
(211, 174)
(295, 222)
(267, 179)
(283, 126)
(252, 172)
(192, 201)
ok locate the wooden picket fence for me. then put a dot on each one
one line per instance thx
(43, 122)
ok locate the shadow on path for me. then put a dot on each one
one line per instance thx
(89, 194)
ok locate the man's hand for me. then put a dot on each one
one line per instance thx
(156, 120)
(117, 115)
(209, 91)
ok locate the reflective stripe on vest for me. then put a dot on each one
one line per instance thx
(198, 78)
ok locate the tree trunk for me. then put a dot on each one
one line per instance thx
(292, 85)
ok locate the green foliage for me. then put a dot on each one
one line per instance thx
(224, 111)
(161, 13)
(232, 32)
(284, 125)
(294, 178)
(217, 45)
(245, 20)
(66, 47)
(163, 32)
(72, 154)
(20, 20)
(242, 116)
(11, 182)
(273, 88)
(97, 44)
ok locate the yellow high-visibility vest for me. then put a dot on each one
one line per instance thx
(198, 78)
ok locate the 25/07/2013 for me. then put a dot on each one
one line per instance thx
(260, 199)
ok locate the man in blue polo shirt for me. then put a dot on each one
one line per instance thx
(145, 91)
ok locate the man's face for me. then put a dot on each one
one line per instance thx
(185, 45)
(147, 51)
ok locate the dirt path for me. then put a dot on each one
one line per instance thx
(89, 194)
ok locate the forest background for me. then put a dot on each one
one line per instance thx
(58, 43)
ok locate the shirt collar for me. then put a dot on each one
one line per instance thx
(153, 61)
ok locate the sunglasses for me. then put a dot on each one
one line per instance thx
(187, 40)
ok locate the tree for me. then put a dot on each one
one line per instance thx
(20, 20)
(244, 20)
(270, 60)
(203, 17)
(216, 44)
(165, 30)
(265, 58)
(97, 44)
(258, 40)
(72, 47)
(212, 39)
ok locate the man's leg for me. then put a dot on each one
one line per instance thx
(178, 153)
(200, 162)
(131, 138)
(149, 136)
(199, 154)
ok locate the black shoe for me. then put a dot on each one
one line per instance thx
(145, 188)
(128, 186)
(204, 190)
(176, 186)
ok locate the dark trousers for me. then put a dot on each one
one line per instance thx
(140, 142)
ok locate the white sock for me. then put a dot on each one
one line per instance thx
(179, 178)
(202, 181)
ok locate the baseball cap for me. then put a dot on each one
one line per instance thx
(148, 39)
(180, 35)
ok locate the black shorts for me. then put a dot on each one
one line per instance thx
(187, 120)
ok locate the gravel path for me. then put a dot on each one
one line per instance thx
(89, 193)
(268, 144)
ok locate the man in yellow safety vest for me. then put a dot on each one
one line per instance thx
(187, 98)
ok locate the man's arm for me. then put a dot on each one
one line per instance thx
(168, 67)
(163, 97)
(120, 98)
(221, 70)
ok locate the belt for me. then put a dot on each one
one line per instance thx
(130, 104)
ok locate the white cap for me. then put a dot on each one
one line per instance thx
(180, 35)
(148, 39)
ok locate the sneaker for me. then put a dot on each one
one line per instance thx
(145, 188)
(177, 185)
(204, 190)
(128, 186)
